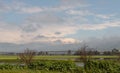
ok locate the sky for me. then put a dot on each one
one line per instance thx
(59, 24)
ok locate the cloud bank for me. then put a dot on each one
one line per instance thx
(53, 24)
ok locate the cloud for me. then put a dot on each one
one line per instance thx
(105, 43)
(19, 7)
(79, 12)
(67, 5)
(100, 26)
(45, 18)
(101, 44)
(71, 3)
(4, 7)
(69, 40)
(46, 25)
(30, 27)
(37, 46)
(86, 12)
(9, 33)
(57, 33)
(105, 16)
(10, 36)
(31, 10)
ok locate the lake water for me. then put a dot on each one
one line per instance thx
(80, 64)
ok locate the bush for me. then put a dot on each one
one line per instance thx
(53, 65)
(67, 67)
(102, 67)
(10, 67)
(61, 66)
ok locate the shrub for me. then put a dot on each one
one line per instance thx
(53, 65)
(102, 67)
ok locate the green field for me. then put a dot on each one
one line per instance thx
(28, 71)
(64, 57)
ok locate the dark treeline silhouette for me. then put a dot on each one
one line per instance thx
(89, 51)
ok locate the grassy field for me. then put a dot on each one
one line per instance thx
(54, 57)
(64, 57)
(28, 71)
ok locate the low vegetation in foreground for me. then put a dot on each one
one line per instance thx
(27, 62)
(62, 67)
(41, 67)
(102, 67)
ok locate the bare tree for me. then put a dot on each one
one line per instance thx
(83, 55)
(90, 54)
(27, 56)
